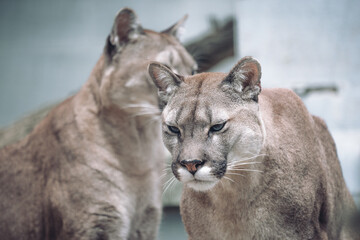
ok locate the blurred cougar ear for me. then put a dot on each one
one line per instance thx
(125, 29)
(177, 29)
(244, 79)
(165, 80)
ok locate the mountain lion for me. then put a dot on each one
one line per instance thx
(91, 169)
(254, 166)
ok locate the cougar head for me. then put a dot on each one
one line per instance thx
(129, 49)
(210, 120)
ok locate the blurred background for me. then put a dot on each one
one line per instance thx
(48, 48)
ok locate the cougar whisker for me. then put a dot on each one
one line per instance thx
(238, 174)
(144, 106)
(227, 178)
(142, 113)
(168, 184)
(246, 159)
(243, 163)
(246, 170)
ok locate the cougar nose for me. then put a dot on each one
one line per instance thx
(191, 165)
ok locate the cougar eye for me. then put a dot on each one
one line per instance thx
(174, 129)
(217, 127)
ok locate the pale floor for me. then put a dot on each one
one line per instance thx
(171, 227)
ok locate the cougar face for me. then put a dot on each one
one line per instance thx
(204, 133)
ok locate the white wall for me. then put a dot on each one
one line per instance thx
(311, 42)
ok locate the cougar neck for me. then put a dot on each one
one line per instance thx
(127, 130)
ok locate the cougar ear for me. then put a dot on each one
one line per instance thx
(177, 29)
(165, 80)
(244, 79)
(126, 28)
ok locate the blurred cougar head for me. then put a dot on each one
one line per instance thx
(128, 51)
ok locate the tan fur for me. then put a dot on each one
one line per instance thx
(22, 127)
(91, 169)
(271, 172)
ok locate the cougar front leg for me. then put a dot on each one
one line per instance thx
(148, 227)
(108, 223)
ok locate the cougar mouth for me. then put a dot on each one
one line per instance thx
(202, 180)
(200, 185)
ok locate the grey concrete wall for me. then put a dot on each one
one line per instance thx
(311, 43)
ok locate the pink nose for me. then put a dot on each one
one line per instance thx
(191, 165)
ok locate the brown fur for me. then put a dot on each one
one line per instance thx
(91, 169)
(22, 127)
(270, 172)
